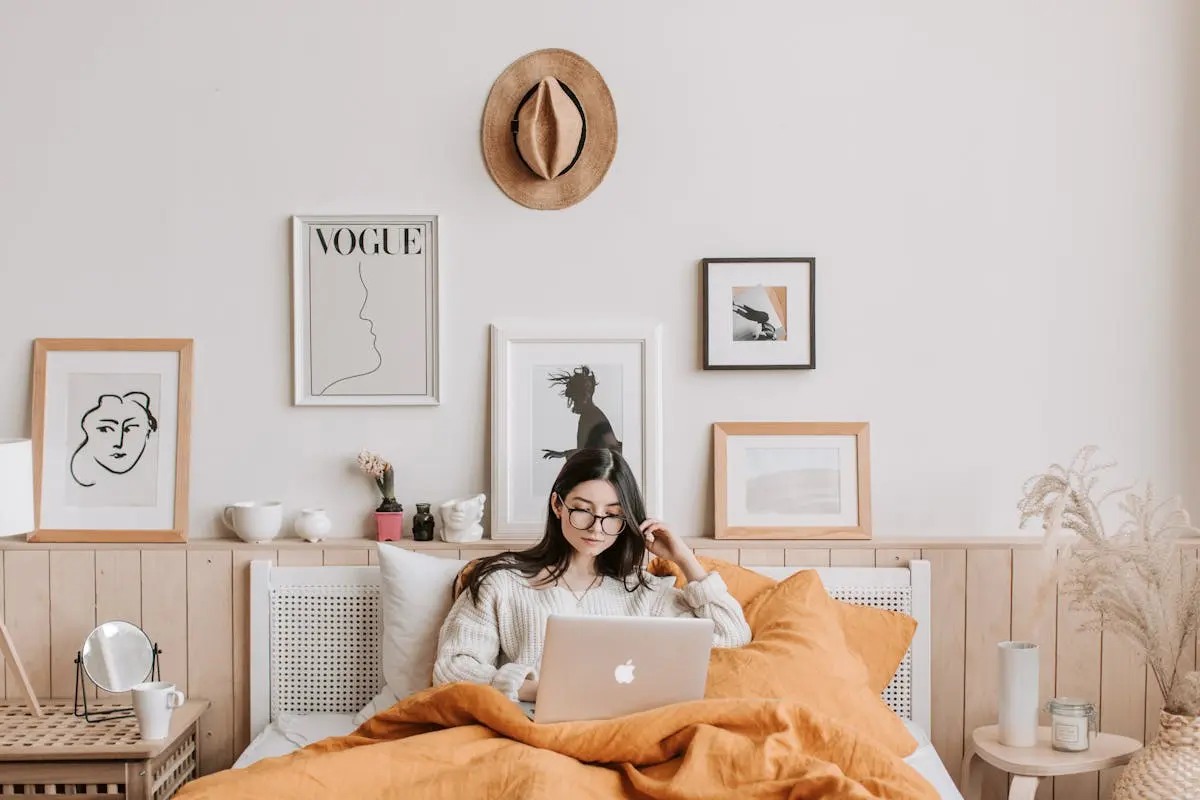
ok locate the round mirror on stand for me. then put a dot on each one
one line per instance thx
(116, 656)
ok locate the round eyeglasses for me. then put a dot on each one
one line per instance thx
(583, 520)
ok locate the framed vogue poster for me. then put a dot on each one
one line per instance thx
(792, 480)
(111, 439)
(759, 313)
(559, 387)
(365, 310)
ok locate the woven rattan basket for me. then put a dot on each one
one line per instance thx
(1168, 768)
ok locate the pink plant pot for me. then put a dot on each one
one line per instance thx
(389, 525)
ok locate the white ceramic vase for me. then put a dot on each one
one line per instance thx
(312, 525)
(1017, 698)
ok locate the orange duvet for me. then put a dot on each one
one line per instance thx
(468, 741)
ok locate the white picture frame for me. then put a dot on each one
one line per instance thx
(366, 310)
(532, 364)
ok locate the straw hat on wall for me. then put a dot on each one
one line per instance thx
(549, 129)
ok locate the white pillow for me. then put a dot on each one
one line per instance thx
(415, 594)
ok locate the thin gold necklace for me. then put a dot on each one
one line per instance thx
(579, 597)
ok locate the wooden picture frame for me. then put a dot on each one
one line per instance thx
(792, 480)
(759, 313)
(111, 439)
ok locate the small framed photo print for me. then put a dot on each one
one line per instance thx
(365, 310)
(562, 387)
(759, 313)
(111, 439)
(792, 480)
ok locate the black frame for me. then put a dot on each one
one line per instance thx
(812, 310)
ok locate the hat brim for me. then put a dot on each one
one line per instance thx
(600, 146)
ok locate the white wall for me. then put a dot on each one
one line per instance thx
(1001, 198)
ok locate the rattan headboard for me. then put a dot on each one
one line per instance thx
(314, 635)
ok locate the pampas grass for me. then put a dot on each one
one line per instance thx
(1129, 582)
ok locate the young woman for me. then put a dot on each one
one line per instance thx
(588, 562)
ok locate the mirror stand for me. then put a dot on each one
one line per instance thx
(106, 714)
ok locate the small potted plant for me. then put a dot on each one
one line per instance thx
(389, 516)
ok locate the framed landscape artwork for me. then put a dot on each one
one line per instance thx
(759, 313)
(111, 439)
(792, 480)
(365, 310)
(559, 387)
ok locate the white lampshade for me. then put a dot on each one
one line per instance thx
(16, 486)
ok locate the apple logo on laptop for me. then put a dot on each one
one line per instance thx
(624, 672)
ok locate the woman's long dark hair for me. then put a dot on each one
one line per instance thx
(622, 560)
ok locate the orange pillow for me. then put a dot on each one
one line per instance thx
(879, 637)
(799, 652)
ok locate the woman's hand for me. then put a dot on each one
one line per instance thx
(661, 542)
(528, 691)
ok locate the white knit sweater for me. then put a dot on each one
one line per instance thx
(499, 641)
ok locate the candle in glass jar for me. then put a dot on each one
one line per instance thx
(1071, 722)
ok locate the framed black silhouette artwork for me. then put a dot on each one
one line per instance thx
(111, 439)
(365, 308)
(759, 313)
(561, 387)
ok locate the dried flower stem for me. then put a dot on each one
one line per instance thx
(1129, 582)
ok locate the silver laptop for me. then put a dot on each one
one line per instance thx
(604, 667)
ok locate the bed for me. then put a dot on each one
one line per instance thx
(315, 661)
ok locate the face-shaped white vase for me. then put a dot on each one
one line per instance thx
(461, 518)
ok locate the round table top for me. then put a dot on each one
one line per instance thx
(1107, 750)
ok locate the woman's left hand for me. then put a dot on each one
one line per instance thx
(661, 542)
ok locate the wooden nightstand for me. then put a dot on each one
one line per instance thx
(60, 753)
(1028, 765)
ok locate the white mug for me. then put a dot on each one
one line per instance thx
(152, 705)
(254, 521)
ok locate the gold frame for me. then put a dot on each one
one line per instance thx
(182, 446)
(721, 433)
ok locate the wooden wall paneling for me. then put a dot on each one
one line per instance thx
(763, 557)
(1035, 619)
(988, 621)
(466, 554)
(730, 554)
(301, 557)
(4, 667)
(1187, 661)
(72, 613)
(164, 610)
(896, 558)
(949, 649)
(1122, 696)
(27, 616)
(852, 558)
(118, 595)
(795, 557)
(1191, 573)
(345, 557)
(210, 651)
(1077, 675)
(241, 650)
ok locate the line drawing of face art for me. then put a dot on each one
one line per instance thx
(370, 328)
(115, 433)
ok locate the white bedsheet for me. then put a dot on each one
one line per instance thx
(293, 731)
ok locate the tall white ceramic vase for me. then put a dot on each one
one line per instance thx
(1018, 696)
